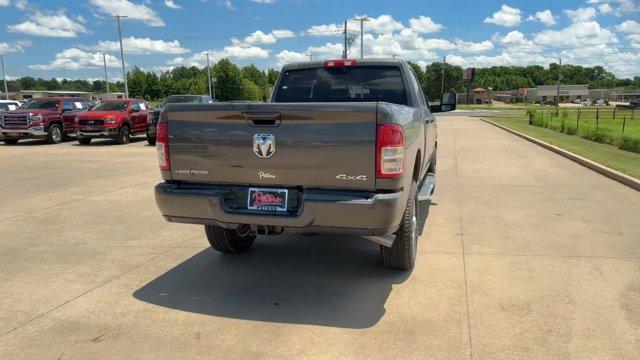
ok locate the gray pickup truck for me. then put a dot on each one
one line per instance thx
(344, 146)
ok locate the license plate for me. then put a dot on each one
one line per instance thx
(267, 199)
(91, 128)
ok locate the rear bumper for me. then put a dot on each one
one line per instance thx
(374, 214)
(32, 132)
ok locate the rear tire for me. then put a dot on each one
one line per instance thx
(124, 136)
(11, 141)
(84, 141)
(151, 140)
(228, 241)
(55, 134)
(402, 254)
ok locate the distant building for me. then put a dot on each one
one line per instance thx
(567, 93)
(89, 95)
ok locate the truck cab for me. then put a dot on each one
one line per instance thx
(43, 118)
(344, 146)
(113, 119)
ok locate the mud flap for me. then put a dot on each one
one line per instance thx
(424, 199)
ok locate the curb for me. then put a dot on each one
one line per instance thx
(600, 169)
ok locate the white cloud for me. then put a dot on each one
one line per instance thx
(229, 5)
(382, 24)
(136, 45)
(616, 7)
(424, 25)
(260, 37)
(634, 41)
(328, 50)
(581, 14)
(472, 47)
(54, 25)
(76, 59)
(21, 4)
(172, 5)
(5, 3)
(577, 35)
(134, 11)
(629, 27)
(506, 16)
(546, 17)
(14, 47)
(231, 51)
(325, 30)
(286, 56)
(264, 1)
(605, 8)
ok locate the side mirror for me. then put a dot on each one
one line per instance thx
(448, 102)
(67, 109)
(135, 110)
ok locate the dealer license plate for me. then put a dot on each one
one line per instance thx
(262, 199)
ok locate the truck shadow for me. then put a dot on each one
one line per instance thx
(326, 280)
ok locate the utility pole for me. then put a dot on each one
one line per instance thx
(344, 53)
(559, 78)
(362, 20)
(124, 71)
(209, 75)
(444, 63)
(4, 78)
(106, 77)
(310, 55)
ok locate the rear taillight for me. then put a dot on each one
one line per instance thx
(162, 146)
(390, 151)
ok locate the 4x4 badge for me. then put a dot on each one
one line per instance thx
(264, 145)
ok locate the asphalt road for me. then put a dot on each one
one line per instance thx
(525, 255)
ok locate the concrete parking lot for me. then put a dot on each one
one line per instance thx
(524, 255)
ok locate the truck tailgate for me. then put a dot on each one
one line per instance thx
(329, 145)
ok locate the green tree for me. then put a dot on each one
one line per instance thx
(432, 80)
(229, 84)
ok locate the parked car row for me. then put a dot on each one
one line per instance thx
(53, 119)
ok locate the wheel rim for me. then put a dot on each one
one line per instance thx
(125, 135)
(55, 134)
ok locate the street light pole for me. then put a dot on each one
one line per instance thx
(444, 63)
(362, 20)
(209, 75)
(106, 77)
(124, 71)
(4, 78)
(559, 78)
(344, 53)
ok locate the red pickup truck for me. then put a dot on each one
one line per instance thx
(114, 119)
(45, 118)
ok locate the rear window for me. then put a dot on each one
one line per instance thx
(347, 84)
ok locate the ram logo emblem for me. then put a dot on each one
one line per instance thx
(264, 145)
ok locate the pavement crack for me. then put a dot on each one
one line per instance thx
(464, 260)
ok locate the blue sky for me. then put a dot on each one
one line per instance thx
(65, 39)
